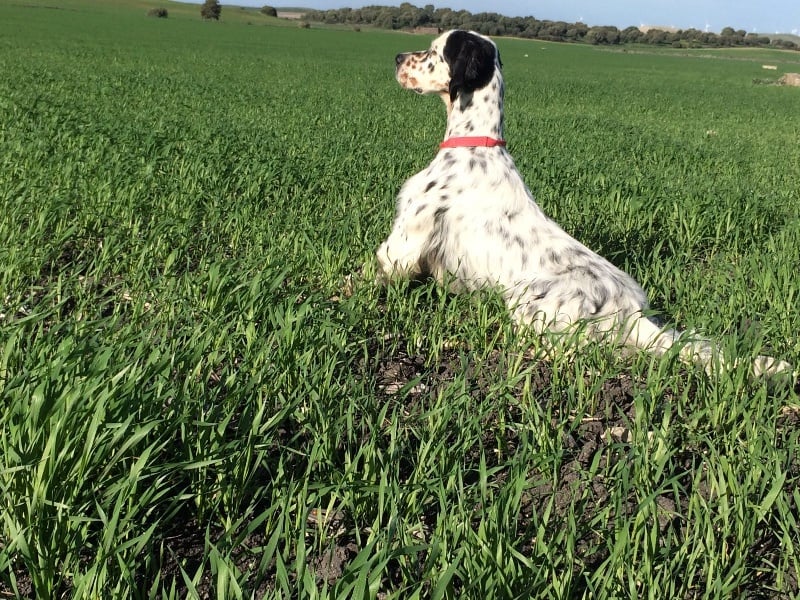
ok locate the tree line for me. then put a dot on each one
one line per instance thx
(408, 16)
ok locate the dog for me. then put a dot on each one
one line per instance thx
(469, 221)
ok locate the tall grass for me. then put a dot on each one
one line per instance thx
(203, 393)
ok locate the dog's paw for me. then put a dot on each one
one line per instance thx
(766, 366)
(779, 373)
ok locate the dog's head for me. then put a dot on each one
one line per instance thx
(457, 62)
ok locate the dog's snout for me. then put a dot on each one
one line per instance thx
(398, 60)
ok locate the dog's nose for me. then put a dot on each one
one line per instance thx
(399, 59)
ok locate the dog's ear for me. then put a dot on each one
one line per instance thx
(471, 59)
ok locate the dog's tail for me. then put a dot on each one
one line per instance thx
(647, 335)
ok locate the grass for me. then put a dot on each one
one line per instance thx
(203, 393)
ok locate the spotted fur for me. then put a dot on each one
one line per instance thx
(468, 219)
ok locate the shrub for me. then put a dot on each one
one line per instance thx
(270, 11)
(211, 9)
(305, 25)
(160, 13)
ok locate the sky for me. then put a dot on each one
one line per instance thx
(768, 16)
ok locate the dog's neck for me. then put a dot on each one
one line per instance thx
(479, 113)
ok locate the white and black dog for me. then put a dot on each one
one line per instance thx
(469, 220)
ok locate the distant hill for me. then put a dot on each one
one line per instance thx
(789, 37)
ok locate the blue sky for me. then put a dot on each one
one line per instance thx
(763, 17)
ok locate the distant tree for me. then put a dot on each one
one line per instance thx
(655, 36)
(409, 16)
(160, 13)
(787, 44)
(532, 27)
(692, 34)
(578, 31)
(631, 35)
(554, 31)
(270, 11)
(369, 14)
(603, 35)
(425, 16)
(211, 10)
(751, 39)
(385, 19)
(596, 35)
(573, 34)
(515, 25)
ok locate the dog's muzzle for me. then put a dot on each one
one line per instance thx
(403, 78)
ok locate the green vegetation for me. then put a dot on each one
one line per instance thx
(270, 11)
(409, 16)
(203, 394)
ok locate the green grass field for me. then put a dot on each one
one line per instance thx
(202, 393)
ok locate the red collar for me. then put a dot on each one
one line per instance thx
(471, 142)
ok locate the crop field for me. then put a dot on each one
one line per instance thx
(204, 394)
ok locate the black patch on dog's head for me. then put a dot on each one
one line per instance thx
(471, 59)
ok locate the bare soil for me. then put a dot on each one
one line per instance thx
(295, 16)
